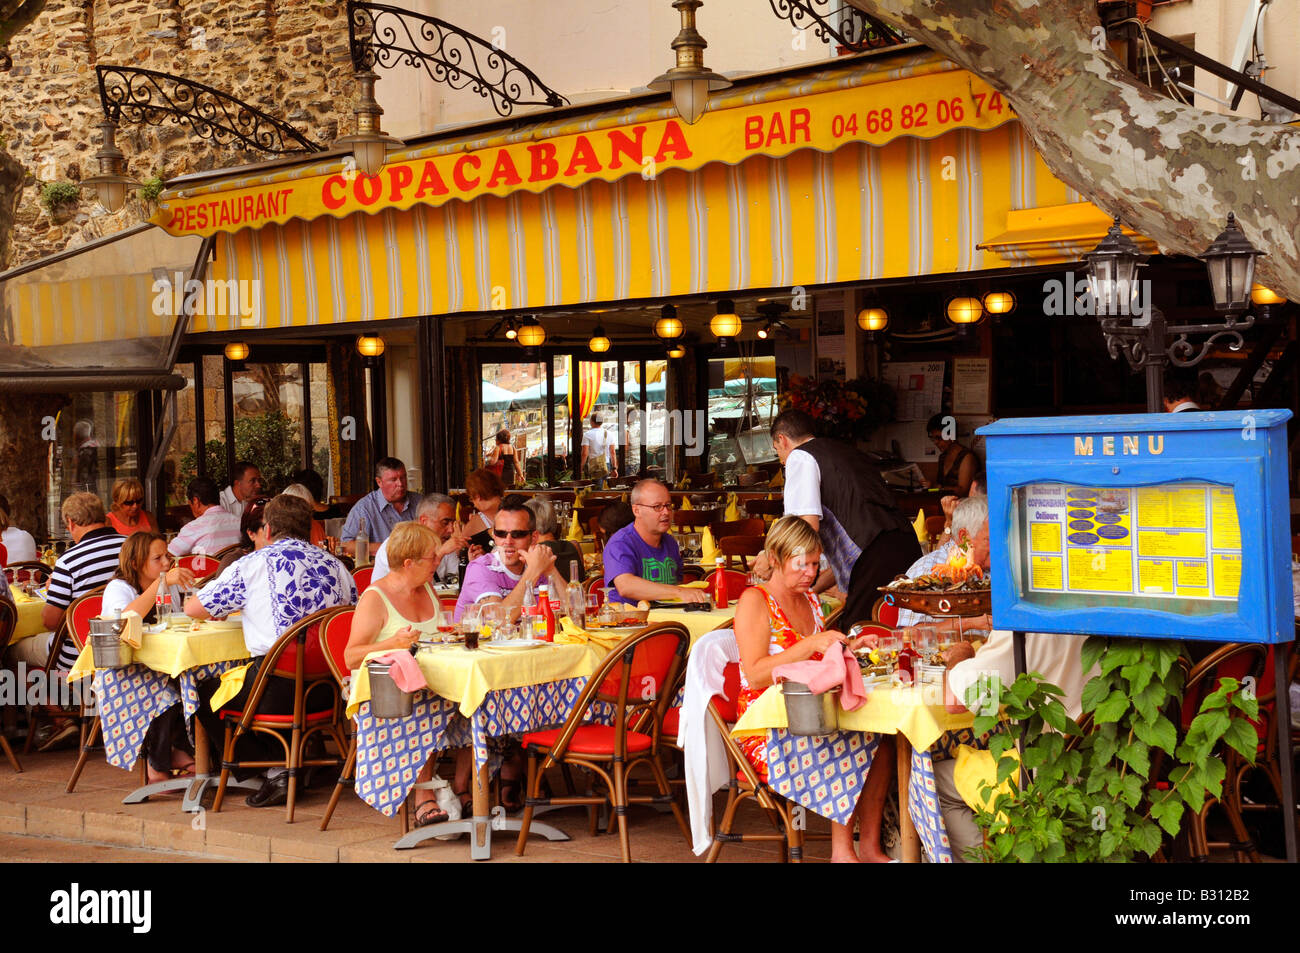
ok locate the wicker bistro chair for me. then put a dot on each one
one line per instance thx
(203, 566)
(8, 620)
(80, 612)
(740, 549)
(87, 605)
(634, 677)
(31, 566)
(296, 655)
(334, 634)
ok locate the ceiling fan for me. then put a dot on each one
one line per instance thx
(773, 315)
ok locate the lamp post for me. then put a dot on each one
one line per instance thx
(1133, 327)
(689, 81)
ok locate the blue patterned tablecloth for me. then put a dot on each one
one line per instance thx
(391, 751)
(130, 698)
(827, 773)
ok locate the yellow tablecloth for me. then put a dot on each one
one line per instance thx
(29, 615)
(917, 714)
(603, 640)
(178, 649)
(466, 677)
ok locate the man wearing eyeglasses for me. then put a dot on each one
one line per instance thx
(642, 560)
(519, 560)
(438, 512)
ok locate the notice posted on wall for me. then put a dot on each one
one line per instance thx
(1173, 541)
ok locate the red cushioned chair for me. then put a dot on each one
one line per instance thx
(8, 621)
(334, 634)
(362, 578)
(203, 566)
(736, 582)
(83, 609)
(77, 620)
(634, 677)
(296, 655)
(885, 613)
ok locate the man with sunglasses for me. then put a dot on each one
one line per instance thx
(504, 574)
(642, 561)
(212, 529)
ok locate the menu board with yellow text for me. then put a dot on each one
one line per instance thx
(1173, 541)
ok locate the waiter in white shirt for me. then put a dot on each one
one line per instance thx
(598, 449)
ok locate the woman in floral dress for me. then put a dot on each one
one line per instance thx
(781, 622)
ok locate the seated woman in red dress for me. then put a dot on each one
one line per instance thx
(781, 622)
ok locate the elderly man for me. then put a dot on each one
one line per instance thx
(970, 529)
(88, 564)
(274, 586)
(841, 495)
(642, 560)
(438, 512)
(245, 487)
(381, 508)
(212, 529)
(518, 561)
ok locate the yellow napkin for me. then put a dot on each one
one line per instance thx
(231, 682)
(575, 529)
(579, 498)
(778, 480)
(697, 584)
(919, 526)
(733, 508)
(976, 768)
(85, 665)
(131, 631)
(686, 503)
(708, 548)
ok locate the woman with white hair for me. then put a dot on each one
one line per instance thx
(970, 530)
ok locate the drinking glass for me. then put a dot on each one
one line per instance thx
(593, 608)
(925, 639)
(889, 646)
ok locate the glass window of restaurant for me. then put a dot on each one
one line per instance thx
(742, 402)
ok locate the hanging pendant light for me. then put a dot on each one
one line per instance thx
(676, 351)
(370, 345)
(236, 351)
(726, 323)
(369, 144)
(873, 319)
(999, 302)
(111, 183)
(669, 327)
(964, 310)
(689, 81)
(530, 334)
(599, 343)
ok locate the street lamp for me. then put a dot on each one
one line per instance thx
(369, 144)
(1230, 260)
(1112, 270)
(112, 182)
(689, 81)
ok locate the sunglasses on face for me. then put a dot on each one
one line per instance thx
(132, 502)
(512, 533)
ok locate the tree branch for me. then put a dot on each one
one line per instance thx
(1171, 171)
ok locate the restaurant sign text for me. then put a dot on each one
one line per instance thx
(922, 106)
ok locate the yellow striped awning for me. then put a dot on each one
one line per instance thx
(1058, 233)
(910, 207)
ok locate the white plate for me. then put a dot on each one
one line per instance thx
(515, 645)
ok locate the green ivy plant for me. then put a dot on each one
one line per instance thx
(1111, 794)
(55, 195)
(150, 189)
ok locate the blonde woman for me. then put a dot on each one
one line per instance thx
(128, 514)
(394, 612)
(781, 622)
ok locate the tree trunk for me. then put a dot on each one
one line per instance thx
(1172, 172)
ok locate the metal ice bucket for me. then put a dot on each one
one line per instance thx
(808, 712)
(106, 645)
(386, 699)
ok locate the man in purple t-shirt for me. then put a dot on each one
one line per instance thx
(641, 560)
(503, 575)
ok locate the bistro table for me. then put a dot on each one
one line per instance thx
(826, 773)
(472, 697)
(29, 615)
(130, 698)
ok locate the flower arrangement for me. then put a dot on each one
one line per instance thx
(850, 410)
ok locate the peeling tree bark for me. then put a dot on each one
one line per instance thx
(1172, 172)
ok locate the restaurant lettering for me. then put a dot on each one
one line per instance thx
(542, 162)
(925, 106)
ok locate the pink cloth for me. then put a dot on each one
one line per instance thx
(404, 671)
(833, 669)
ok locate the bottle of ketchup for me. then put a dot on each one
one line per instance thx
(719, 584)
(546, 611)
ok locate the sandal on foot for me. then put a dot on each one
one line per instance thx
(511, 795)
(428, 813)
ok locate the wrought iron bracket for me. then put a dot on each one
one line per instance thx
(150, 97)
(833, 20)
(1147, 344)
(387, 36)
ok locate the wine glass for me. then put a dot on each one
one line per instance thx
(925, 639)
(888, 648)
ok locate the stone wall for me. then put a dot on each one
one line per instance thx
(288, 58)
